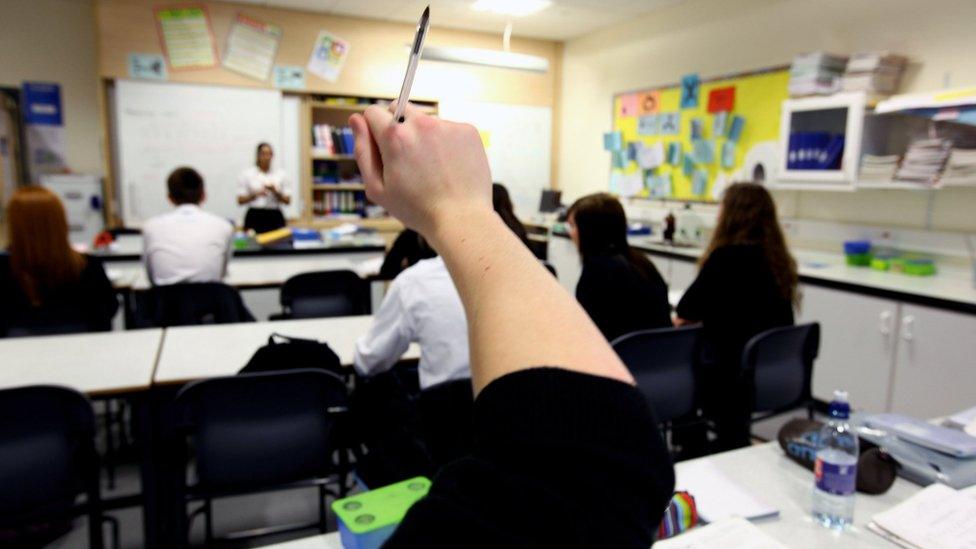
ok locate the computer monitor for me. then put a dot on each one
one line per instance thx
(550, 201)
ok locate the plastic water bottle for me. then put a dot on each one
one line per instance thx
(836, 467)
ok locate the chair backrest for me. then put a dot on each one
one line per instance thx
(781, 363)
(263, 429)
(47, 454)
(191, 304)
(48, 328)
(663, 363)
(324, 294)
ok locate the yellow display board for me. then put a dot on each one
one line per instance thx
(640, 118)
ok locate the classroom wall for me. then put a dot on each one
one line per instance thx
(54, 41)
(714, 37)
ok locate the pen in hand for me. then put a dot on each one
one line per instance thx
(418, 46)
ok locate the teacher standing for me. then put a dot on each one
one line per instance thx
(264, 191)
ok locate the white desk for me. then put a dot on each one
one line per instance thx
(195, 352)
(771, 476)
(96, 363)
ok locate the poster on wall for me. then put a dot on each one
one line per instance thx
(44, 128)
(187, 36)
(251, 47)
(328, 55)
(147, 66)
(289, 77)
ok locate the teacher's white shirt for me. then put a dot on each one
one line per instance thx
(421, 306)
(253, 180)
(186, 245)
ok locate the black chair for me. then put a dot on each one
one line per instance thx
(324, 294)
(47, 459)
(664, 363)
(261, 432)
(780, 363)
(190, 304)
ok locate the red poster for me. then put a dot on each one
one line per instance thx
(721, 100)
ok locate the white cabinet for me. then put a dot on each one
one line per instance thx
(935, 372)
(564, 257)
(857, 342)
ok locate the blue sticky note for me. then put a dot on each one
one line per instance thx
(728, 154)
(704, 151)
(718, 123)
(735, 128)
(674, 153)
(613, 141)
(647, 124)
(699, 182)
(669, 123)
(697, 129)
(689, 165)
(147, 66)
(289, 77)
(689, 91)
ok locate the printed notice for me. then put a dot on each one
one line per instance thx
(187, 37)
(328, 56)
(251, 47)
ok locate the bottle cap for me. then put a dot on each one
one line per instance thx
(839, 407)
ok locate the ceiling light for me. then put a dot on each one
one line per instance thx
(489, 58)
(515, 8)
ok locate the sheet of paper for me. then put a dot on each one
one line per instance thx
(187, 37)
(719, 120)
(289, 77)
(733, 532)
(628, 105)
(251, 47)
(728, 154)
(328, 56)
(704, 151)
(699, 182)
(689, 91)
(650, 156)
(631, 184)
(612, 141)
(938, 517)
(674, 153)
(147, 66)
(648, 124)
(669, 123)
(717, 496)
(649, 102)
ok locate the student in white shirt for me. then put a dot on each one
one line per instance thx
(264, 190)
(186, 244)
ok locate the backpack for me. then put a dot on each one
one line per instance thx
(290, 353)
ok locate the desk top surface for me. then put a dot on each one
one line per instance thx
(129, 247)
(96, 363)
(195, 352)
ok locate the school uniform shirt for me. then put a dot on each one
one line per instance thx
(253, 180)
(186, 245)
(619, 299)
(422, 306)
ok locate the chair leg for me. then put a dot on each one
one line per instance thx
(323, 527)
(113, 524)
(208, 522)
(109, 445)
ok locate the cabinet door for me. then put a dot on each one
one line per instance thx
(564, 257)
(935, 370)
(856, 345)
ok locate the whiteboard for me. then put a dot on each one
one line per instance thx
(518, 143)
(213, 129)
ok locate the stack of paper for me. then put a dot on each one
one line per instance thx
(938, 517)
(816, 73)
(734, 532)
(961, 167)
(924, 160)
(879, 168)
(716, 495)
(877, 73)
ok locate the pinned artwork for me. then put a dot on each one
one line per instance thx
(651, 156)
(697, 129)
(628, 105)
(735, 128)
(728, 154)
(674, 153)
(648, 124)
(688, 166)
(649, 102)
(699, 182)
(619, 159)
(721, 99)
(631, 184)
(718, 123)
(704, 151)
(689, 91)
(612, 141)
(669, 123)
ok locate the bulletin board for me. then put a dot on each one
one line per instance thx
(688, 141)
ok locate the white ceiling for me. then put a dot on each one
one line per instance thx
(563, 20)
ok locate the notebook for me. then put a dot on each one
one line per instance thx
(734, 532)
(717, 496)
(938, 517)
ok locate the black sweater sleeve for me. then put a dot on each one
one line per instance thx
(561, 459)
(98, 294)
(595, 293)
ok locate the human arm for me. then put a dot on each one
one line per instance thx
(281, 191)
(244, 193)
(433, 175)
(388, 338)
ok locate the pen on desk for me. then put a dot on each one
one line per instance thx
(418, 46)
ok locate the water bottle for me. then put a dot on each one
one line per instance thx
(836, 467)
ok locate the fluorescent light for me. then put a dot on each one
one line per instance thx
(490, 58)
(515, 8)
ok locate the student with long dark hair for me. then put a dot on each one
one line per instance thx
(746, 284)
(45, 285)
(619, 287)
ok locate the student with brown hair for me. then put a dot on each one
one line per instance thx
(45, 286)
(619, 287)
(746, 284)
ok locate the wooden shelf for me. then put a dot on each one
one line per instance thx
(339, 187)
(321, 155)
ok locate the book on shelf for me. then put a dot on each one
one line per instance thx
(878, 73)
(924, 160)
(879, 167)
(333, 140)
(332, 203)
